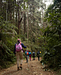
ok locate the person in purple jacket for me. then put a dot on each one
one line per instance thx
(19, 54)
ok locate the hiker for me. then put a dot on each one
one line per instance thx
(38, 55)
(18, 51)
(30, 55)
(33, 55)
(26, 55)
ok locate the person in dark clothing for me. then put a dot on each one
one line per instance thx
(19, 54)
(33, 55)
(38, 55)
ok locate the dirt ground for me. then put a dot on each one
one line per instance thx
(33, 67)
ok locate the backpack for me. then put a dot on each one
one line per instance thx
(27, 53)
(40, 52)
(37, 53)
(18, 47)
(33, 53)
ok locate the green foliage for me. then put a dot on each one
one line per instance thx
(7, 42)
(6, 55)
(7, 28)
(52, 48)
(52, 34)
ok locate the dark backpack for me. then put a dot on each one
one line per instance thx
(37, 53)
(33, 53)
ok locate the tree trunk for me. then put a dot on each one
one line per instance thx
(18, 20)
(27, 26)
(24, 23)
(24, 19)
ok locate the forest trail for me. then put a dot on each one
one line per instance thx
(33, 67)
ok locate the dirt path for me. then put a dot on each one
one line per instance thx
(34, 67)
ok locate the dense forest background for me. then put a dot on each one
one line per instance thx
(37, 29)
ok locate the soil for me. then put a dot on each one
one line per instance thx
(33, 67)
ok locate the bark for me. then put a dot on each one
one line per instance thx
(24, 23)
(27, 26)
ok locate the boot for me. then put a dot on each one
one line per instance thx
(21, 66)
(18, 68)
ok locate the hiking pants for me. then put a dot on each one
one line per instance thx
(33, 57)
(27, 58)
(30, 58)
(38, 58)
(19, 55)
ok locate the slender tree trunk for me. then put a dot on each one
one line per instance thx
(10, 16)
(27, 26)
(33, 14)
(18, 20)
(24, 23)
(0, 4)
(24, 19)
(13, 16)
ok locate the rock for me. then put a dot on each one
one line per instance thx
(34, 73)
(27, 68)
(45, 69)
(45, 66)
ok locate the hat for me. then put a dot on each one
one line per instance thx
(27, 50)
(19, 40)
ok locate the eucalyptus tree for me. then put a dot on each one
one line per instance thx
(9, 6)
(2, 10)
(34, 6)
(34, 16)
